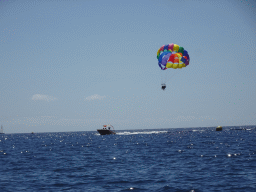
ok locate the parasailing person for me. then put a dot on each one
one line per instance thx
(171, 56)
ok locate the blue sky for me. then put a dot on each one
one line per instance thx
(76, 65)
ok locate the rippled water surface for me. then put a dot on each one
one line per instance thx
(196, 159)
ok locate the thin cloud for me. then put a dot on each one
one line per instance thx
(94, 97)
(48, 98)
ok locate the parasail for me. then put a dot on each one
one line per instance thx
(172, 56)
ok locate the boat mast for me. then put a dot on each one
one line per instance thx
(1, 131)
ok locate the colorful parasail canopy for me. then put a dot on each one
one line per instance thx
(172, 56)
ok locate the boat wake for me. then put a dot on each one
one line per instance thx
(140, 132)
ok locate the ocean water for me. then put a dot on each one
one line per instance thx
(189, 160)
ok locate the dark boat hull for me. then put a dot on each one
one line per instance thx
(105, 132)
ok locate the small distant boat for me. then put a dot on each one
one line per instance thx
(219, 128)
(2, 130)
(106, 130)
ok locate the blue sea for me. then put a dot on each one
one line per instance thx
(189, 160)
